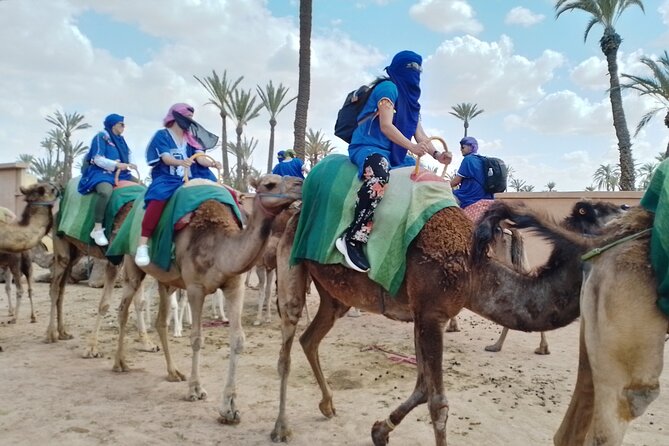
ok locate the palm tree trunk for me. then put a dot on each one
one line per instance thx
(239, 179)
(610, 43)
(303, 91)
(270, 156)
(224, 148)
(666, 123)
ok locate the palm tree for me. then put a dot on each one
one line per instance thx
(527, 188)
(607, 13)
(220, 90)
(655, 86)
(304, 81)
(646, 172)
(550, 185)
(25, 158)
(66, 124)
(517, 184)
(273, 100)
(243, 109)
(243, 153)
(590, 188)
(466, 112)
(606, 176)
(316, 148)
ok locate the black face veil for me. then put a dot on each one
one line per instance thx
(206, 139)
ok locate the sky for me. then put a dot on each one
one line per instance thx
(542, 88)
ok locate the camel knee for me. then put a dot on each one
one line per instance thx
(638, 398)
(438, 406)
(237, 344)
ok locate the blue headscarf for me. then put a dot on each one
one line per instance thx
(281, 155)
(117, 140)
(404, 71)
(471, 142)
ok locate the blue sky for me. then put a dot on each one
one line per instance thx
(542, 88)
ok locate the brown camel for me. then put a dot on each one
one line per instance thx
(622, 330)
(15, 265)
(67, 251)
(211, 253)
(586, 218)
(35, 221)
(440, 280)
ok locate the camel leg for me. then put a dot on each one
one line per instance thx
(175, 315)
(291, 283)
(269, 285)
(132, 282)
(234, 294)
(64, 257)
(218, 306)
(196, 300)
(173, 374)
(16, 274)
(429, 351)
(626, 357)
(8, 290)
(141, 308)
(27, 269)
(328, 312)
(497, 346)
(543, 346)
(262, 284)
(452, 326)
(111, 272)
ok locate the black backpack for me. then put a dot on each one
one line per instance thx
(495, 174)
(347, 118)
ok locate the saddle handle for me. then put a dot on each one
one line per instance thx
(198, 155)
(118, 173)
(443, 143)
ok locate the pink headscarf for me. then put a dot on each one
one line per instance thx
(187, 111)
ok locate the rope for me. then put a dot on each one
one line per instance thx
(597, 251)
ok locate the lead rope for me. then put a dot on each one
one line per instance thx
(597, 251)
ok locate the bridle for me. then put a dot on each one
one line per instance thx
(281, 194)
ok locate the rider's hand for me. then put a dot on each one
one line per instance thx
(186, 163)
(445, 157)
(122, 166)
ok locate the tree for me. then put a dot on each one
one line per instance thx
(655, 86)
(466, 112)
(243, 109)
(273, 100)
(316, 148)
(550, 185)
(243, 152)
(606, 176)
(645, 173)
(65, 125)
(607, 13)
(304, 81)
(517, 184)
(527, 188)
(220, 90)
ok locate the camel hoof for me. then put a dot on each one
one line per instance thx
(12, 321)
(230, 418)
(151, 348)
(452, 329)
(1, 350)
(542, 351)
(92, 353)
(380, 433)
(493, 348)
(327, 409)
(51, 337)
(121, 367)
(64, 336)
(281, 433)
(33, 320)
(197, 394)
(175, 376)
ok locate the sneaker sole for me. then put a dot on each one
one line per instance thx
(341, 247)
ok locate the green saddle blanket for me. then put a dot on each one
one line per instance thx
(328, 201)
(656, 200)
(161, 250)
(76, 212)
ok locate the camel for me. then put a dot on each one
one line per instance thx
(211, 253)
(622, 334)
(586, 218)
(440, 280)
(67, 251)
(15, 265)
(36, 219)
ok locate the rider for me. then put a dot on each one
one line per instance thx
(169, 155)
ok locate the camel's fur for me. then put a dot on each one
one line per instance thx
(440, 279)
(211, 253)
(622, 330)
(35, 222)
(16, 265)
(66, 253)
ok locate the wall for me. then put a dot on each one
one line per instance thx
(558, 205)
(12, 177)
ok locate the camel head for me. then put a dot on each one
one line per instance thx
(589, 217)
(275, 193)
(40, 193)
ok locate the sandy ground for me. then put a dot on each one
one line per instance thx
(49, 394)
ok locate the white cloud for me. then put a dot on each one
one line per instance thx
(523, 17)
(663, 9)
(446, 16)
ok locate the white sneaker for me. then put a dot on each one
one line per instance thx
(98, 235)
(142, 256)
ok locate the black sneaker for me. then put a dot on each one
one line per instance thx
(353, 254)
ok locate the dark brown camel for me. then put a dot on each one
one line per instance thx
(211, 253)
(16, 265)
(440, 280)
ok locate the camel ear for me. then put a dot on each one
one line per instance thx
(23, 190)
(254, 182)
